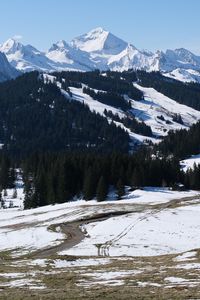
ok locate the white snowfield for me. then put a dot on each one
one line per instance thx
(143, 234)
(189, 163)
(149, 232)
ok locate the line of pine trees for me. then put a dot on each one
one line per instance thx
(60, 177)
(182, 143)
(57, 178)
(130, 122)
(7, 173)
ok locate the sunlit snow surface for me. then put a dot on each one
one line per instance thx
(144, 234)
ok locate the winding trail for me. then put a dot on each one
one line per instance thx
(74, 235)
(71, 222)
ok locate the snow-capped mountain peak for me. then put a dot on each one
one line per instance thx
(129, 58)
(184, 57)
(59, 45)
(11, 46)
(99, 40)
(100, 49)
(64, 56)
(25, 57)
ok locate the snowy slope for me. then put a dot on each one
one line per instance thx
(65, 57)
(184, 75)
(94, 105)
(148, 110)
(6, 70)
(98, 107)
(156, 105)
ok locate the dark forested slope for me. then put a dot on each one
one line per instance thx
(35, 116)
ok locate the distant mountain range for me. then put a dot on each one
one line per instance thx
(97, 49)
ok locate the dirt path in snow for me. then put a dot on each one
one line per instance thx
(74, 234)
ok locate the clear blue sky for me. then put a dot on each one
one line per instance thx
(148, 24)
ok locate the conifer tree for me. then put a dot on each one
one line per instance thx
(12, 178)
(4, 173)
(28, 191)
(102, 189)
(14, 196)
(120, 189)
(39, 196)
(1, 201)
(88, 185)
(5, 193)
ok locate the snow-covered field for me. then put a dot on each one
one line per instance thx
(146, 231)
(132, 233)
(143, 234)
